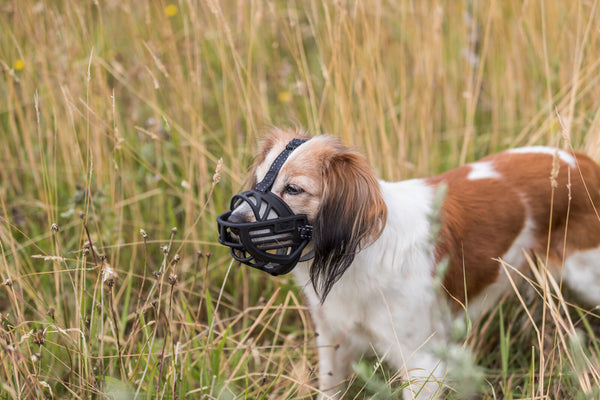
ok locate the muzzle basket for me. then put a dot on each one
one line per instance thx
(272, 243)
(261, 229)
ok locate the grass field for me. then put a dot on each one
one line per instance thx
(115, 114)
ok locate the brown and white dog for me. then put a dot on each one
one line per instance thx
(371, 282)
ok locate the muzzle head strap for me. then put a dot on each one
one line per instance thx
(267, 182)
(274, 241)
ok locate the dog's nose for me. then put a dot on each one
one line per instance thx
(236, 218)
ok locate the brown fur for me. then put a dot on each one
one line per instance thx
(482, 217)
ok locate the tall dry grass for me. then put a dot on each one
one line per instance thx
(113, 117)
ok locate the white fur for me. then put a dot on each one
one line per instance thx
(563, 155)
(482, 170)
(582, 274)
(514, 257)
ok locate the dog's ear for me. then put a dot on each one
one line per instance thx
(352, 215)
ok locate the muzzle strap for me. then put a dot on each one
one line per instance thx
(267, 182)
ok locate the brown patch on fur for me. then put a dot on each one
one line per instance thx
(481, 218)
(476, 226)
(574, 206)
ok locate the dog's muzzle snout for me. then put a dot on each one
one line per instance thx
(236, 219)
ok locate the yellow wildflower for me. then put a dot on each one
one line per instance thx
(171, 10)
(18, 65)
(284, 96)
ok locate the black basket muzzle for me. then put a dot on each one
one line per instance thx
(261, 229)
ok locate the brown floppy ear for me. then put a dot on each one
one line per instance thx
(352, 215)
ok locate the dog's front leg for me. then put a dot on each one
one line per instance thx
(337, 352)
(426, 375)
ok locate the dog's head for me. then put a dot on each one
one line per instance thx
(334, 187)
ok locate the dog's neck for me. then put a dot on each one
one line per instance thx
(405, 240)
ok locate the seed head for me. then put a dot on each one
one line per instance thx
(87, 247)
(38, 338)
(555, 169)
(144, 234)
(217, 175)
(173, 279)
(54, 228)
(108, 275)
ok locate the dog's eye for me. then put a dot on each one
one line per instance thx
(293, 190)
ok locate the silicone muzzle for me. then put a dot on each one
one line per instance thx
(274, 240)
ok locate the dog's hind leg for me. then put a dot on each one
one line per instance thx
(582, 275)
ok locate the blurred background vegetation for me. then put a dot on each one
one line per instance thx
(114, 114)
